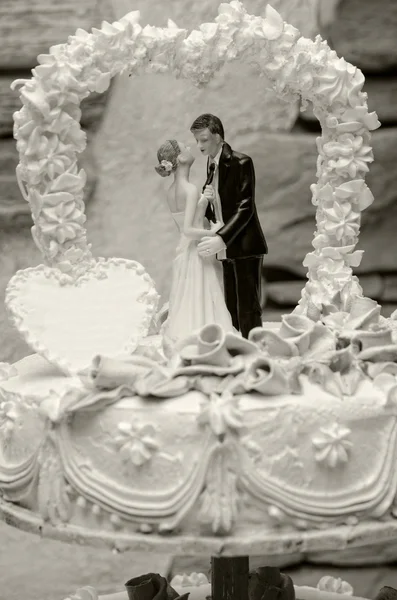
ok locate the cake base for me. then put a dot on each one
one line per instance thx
(364, 543)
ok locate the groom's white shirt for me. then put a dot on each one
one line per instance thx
(217, 201)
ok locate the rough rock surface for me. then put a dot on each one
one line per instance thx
(43, 23)
(363, 32)
(300, 13)
(29, 28)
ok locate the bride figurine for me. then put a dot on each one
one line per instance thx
(196, 296)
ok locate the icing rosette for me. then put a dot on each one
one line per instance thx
(108, 373)
(335, 352)
(192, 580)
(332, 444)
(335, 585)
(207, 347)
(364, 313)
(363, 328)
(297, 336)
(214, 347)
(269, 378)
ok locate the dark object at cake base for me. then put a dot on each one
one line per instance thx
(387, 593)
(151, 586)
(232, 580)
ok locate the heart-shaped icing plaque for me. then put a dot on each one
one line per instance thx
(108, 310)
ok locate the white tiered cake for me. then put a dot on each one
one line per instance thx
(285, 442)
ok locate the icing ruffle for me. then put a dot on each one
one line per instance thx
(337, 352)
(210, 361)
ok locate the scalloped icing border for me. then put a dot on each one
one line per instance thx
(12, 302)
(259, 543)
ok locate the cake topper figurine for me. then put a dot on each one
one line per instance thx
(196, 295)
(239, 243)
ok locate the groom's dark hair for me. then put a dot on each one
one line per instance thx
(208, 121)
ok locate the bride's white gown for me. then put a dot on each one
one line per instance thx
(196, 296)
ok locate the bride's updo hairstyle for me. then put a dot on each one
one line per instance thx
(167, 156)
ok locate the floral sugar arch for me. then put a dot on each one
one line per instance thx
(49, 135)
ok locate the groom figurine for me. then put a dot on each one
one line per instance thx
(239, 243)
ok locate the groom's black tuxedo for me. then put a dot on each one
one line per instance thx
(244, 239)
(242, 232)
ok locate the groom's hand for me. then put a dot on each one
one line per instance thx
(210, 246)
(209, 193)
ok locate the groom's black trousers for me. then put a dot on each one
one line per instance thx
(242, 287)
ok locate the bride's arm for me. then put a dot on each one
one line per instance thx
(192, 205)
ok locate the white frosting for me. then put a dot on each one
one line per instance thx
(255, 435)
(204, 447)
(336, 585)
(270, 432)
(191, 580)
(107, 310)
(332, 444)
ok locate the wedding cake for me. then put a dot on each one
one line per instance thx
(283, 442)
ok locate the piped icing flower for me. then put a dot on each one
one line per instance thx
(332, 445)
(191, 580)
(136, 442)
(348, 155)
(342, 221)
(335, 585)
(364, 329)
(221, 413)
